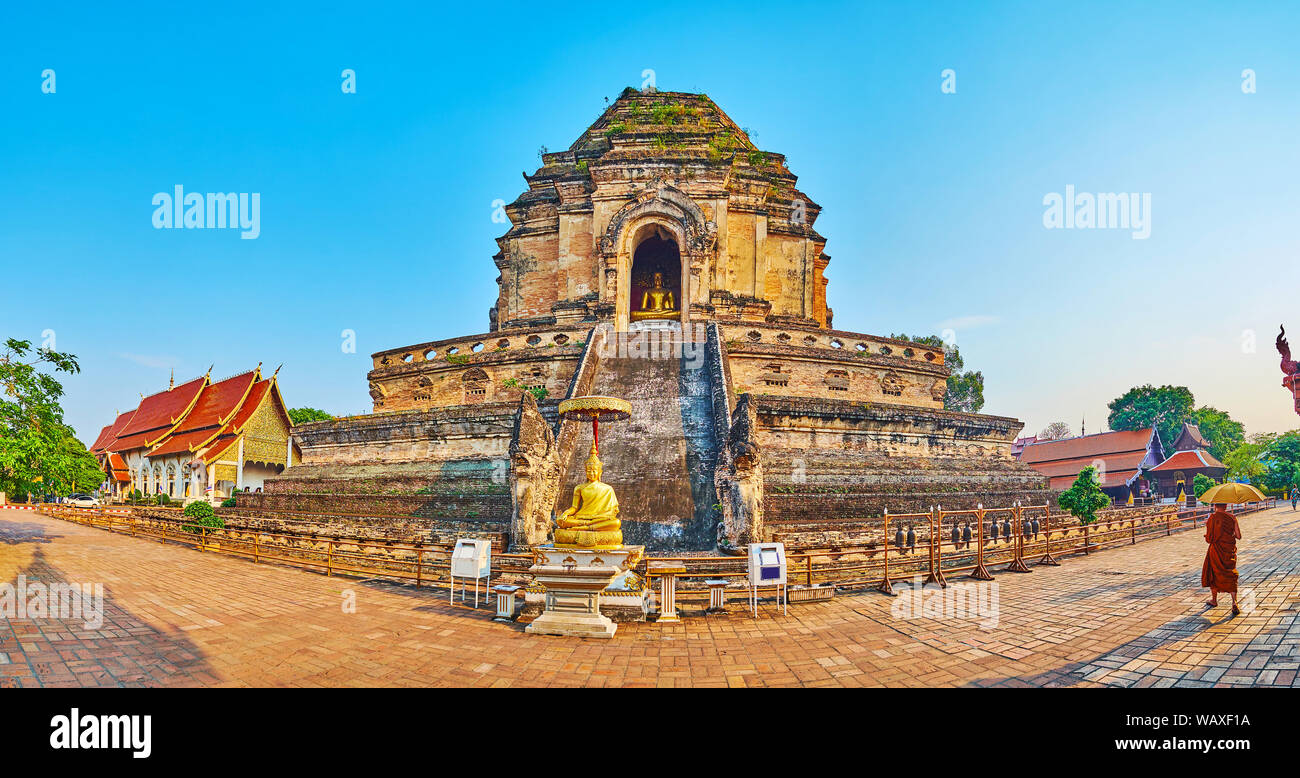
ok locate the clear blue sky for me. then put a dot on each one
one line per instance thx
(376, 207)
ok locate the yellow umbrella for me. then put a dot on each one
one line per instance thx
(1232, 493)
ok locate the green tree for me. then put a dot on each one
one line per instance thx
(38, 452)
(1165, 408)
(1218, 427)
(304, 415)
(1200, 484)
(1281, 458)
(1246, 461)
(965, 388)
(1084, 497)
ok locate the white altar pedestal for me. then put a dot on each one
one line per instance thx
(574, 579)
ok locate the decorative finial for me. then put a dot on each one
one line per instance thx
(171, 384)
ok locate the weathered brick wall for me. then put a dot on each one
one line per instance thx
(835, 365)
(445, 434)
(463, 507)
(475, 369)
(840, 461)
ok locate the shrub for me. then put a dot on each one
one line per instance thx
(229, 502)
(163, 499)
(1201, 484)
(203, 517)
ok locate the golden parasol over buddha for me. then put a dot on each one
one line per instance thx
(592, 521)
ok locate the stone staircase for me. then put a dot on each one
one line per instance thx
(661, 461)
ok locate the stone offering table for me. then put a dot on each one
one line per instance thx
(574, 579)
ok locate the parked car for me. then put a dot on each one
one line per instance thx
(82, 501)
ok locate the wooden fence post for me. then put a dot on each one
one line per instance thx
(419, 563)
(329, 559)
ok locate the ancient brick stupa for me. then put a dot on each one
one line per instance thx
(665, 259)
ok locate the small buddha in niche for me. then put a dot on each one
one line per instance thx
(657, 302)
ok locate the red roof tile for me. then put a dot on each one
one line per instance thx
(1189, 460)
(218, 402)
(255, 396)
(218, 448)
(117, 467)
(1087, 446)
(161, 410)
(1127, 463)
(179, 442)
(109, 434)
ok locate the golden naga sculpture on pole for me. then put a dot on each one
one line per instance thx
(592, 522)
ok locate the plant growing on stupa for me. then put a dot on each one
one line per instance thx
(1084, 497)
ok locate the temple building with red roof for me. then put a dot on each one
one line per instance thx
(1122, 458)
(201, 439)
(1191, 457)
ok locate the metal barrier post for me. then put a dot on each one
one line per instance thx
(980, 573)
(936, 558)
(885, 586)
(1018, 562)
(1048, 559)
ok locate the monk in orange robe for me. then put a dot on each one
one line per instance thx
(1219, 572)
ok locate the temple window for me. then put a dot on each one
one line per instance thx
(837, 380)
(475, 381)
(775, 375)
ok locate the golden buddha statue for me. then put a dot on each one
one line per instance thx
(656, 302)
(592, 520)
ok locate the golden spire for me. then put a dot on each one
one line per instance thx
(172, 383)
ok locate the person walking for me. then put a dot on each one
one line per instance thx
(1219, 571)
(1295, 495)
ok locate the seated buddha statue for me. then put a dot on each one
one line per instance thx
(656, 302)
(592, 520)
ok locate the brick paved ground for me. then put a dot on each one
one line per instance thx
(1130, 616)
